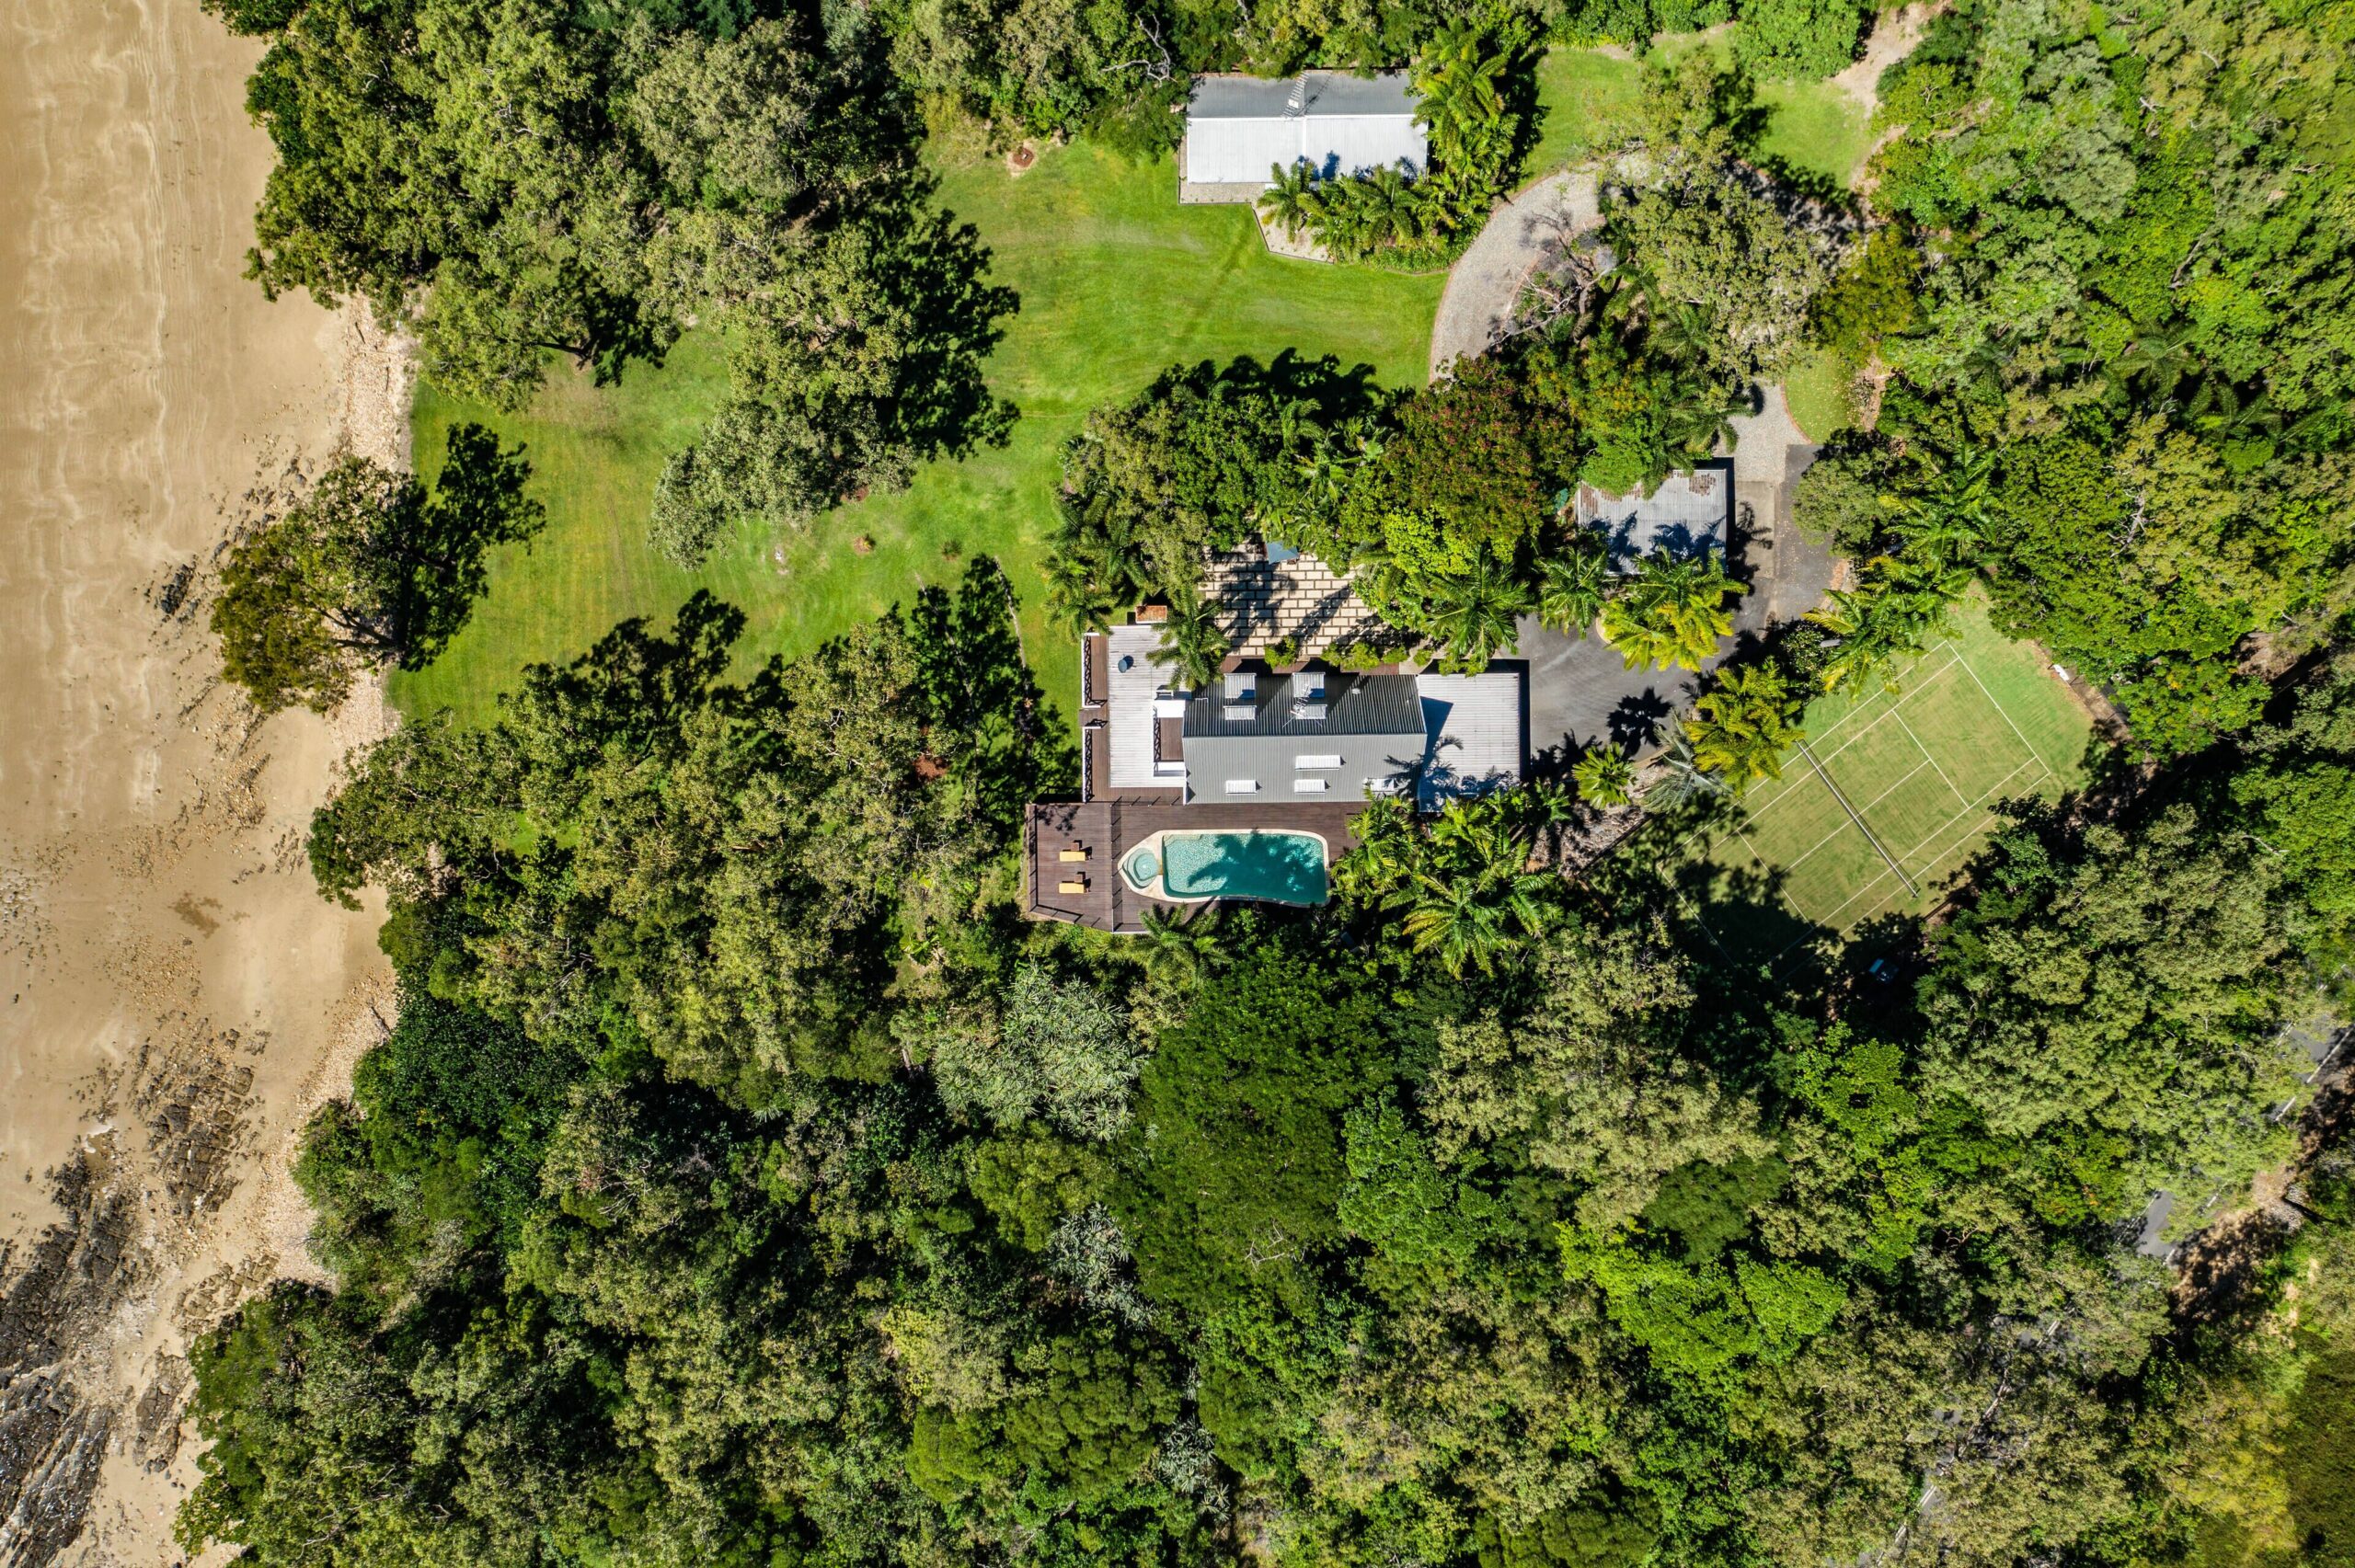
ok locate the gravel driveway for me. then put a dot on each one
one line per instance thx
(1485, 280)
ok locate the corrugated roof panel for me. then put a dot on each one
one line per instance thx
(1239, 128)
(1472, 724)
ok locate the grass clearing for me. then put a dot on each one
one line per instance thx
(1118, 282)
(1589, 97)
(1815, 127)
(1587, 100)
(1910, 777)
(1821, 400)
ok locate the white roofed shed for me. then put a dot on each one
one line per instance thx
(1239, 128)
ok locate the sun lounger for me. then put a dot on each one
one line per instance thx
(1072, 885)
(1072, 852)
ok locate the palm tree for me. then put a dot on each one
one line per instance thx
(1392, 207)
(1193, 643)
(1699, 413)
(1741, 730)
(1675, 611)
(1604, 778)
(1454, 921)
(1457, 84)
(2163, 357)
(2247, 429)
(1084, 600)
(1466, 905)
(1186, 937)
(1953, 520)
(1339, 218)
(1291, 201)
(1682, 779)
(1569, 586)
(1387, 852)
(1900, 602)
(1474, 613)
(1685, 333)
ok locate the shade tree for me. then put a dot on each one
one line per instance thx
(369, 567)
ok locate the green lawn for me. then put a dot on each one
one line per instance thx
(1116, 281)
(1587, 96)
(1977, 720)
(1816, 127)
(1817, 389)
(1586, 101)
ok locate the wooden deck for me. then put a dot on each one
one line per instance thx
(1107, 830)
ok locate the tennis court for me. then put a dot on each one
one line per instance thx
(1889, 796)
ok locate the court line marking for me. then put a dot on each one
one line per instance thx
(1896, 703)
(1997, 704)
(1934, 761)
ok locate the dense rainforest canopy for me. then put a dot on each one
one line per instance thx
(745, 1183)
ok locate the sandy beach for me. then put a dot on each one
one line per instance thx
(175, 998)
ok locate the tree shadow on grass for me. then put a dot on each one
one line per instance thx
(1740, 906)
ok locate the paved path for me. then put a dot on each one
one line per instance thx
(1485, 280)
(1790, 571)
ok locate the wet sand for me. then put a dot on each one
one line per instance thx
(174, 996)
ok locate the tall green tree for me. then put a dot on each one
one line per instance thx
(369, 567)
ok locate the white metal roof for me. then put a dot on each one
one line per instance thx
(1473, 723)
(1240, 128)
(1690, 513)
(1128, 716)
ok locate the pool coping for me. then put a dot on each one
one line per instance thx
(1158, 887)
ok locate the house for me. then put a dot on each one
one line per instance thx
(1239, 128)
(1308, 734)
(1687, 514)
(1248, 788)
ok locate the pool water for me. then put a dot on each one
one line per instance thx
(1281, 867)
(1141, 869)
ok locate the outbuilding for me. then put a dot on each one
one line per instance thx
(1240, 128)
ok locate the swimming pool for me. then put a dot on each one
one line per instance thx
(1279, 866)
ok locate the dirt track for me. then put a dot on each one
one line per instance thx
(173, 998)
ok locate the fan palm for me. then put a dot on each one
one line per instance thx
(1474, 613)
(1193, 643)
